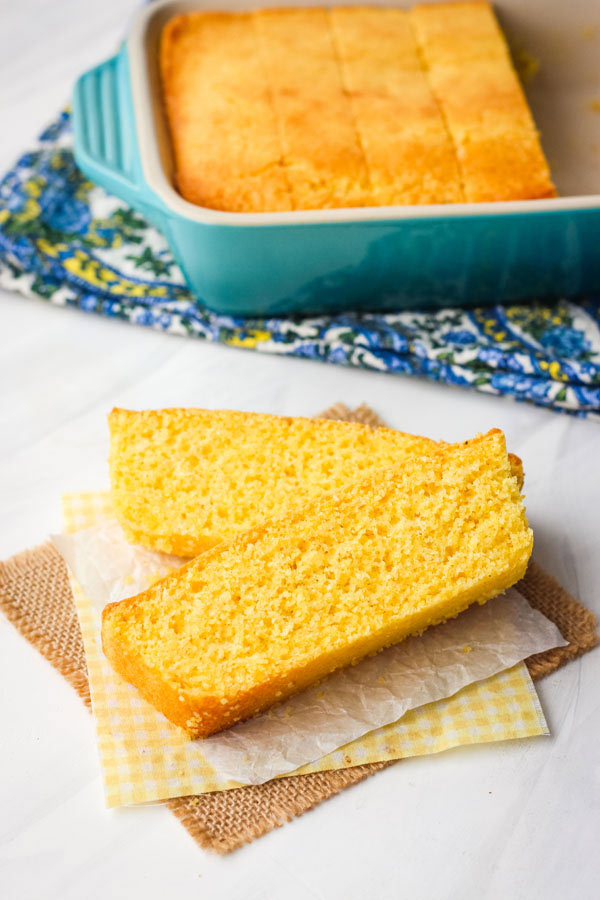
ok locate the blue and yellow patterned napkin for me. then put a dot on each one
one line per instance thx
(67, 241)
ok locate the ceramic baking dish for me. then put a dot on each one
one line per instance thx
(382, 258)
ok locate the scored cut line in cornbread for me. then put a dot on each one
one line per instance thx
(223, 128)
(470, 72)
(264, 615)
(409, 154)
(325, 163)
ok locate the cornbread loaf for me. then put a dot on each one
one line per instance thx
(184, 479)
(262, 616)
(472, 77)
(316, 108)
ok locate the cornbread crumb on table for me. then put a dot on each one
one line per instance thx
(184, 479)
(262, 616)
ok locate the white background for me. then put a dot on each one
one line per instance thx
(505, 821)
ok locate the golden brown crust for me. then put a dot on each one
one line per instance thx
(324, 160)
(471, 74)
(516, 467)
(409, 154)
(223, 130)
(150, 684)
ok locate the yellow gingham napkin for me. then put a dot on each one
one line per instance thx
(145, 758)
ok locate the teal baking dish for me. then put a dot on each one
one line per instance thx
(387, 258)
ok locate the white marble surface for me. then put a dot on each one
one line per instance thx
(519, 820)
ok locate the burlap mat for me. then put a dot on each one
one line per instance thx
(36, 597)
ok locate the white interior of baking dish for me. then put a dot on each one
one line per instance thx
(560, 38)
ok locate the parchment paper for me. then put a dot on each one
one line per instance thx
(479, 643)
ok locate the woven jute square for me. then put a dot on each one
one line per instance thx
(36, 597)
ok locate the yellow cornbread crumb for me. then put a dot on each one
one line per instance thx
(527, 65)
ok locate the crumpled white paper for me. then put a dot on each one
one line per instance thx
(482, 641)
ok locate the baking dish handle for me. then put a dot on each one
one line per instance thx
(105, 140)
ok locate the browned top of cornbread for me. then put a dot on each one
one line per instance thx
(313, 108)
(409, 154)
(324, 160)
(223, 126)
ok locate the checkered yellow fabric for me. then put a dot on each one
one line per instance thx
(144, 758)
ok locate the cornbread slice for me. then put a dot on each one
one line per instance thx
(262, 616)
(324, 161)
(470, 72)
(223, 128)
(184, 479)
(410, 157)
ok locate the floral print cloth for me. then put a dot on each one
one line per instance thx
(67, 241)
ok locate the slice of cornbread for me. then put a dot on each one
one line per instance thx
(262, 616)
(223, 128)
(409, 154)
(470, 72)
(184, 479)
(324, 161)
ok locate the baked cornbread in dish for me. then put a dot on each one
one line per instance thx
(184, 479)
(323, 108)
(275, 609)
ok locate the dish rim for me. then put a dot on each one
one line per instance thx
(156, 178)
